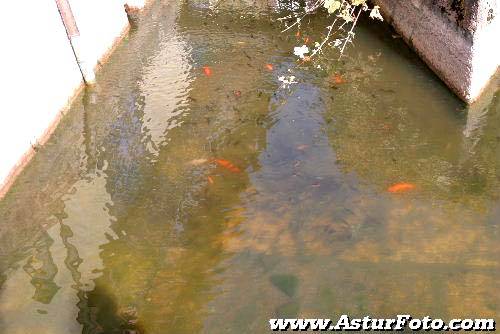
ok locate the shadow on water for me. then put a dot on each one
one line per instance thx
(103, 315)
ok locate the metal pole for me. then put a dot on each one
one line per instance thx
(74, 39)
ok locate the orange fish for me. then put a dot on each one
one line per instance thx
(269, 67)
(210, 179)
(337, 78)
(306, 40)
(401, 187)
(237, 93)
(228, 165)
(207, 70)
(297, 34)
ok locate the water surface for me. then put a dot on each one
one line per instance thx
(125, 222)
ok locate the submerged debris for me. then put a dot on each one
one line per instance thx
(197, 162)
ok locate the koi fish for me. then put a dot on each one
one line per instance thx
(269, 67)
(337, 79)
(401, 187)
(207, 70)
(306, 40)
(210, 179)
(197, 162)
(237, 93)
(297, 34)
(228, 165)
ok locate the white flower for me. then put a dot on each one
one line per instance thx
(375, 13)
(332, 5)
(300, 51)
(337, 43)
(287, 81)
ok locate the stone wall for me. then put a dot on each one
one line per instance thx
(458, 39)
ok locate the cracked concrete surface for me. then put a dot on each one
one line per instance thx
(458, 39)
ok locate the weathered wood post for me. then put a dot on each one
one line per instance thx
(133, 9)
(73, 33)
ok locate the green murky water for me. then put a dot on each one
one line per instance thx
(126, 223)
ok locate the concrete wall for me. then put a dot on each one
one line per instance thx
(39, 72)
(458, 39)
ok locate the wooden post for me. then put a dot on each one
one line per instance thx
(86, 69)
(133, 8)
